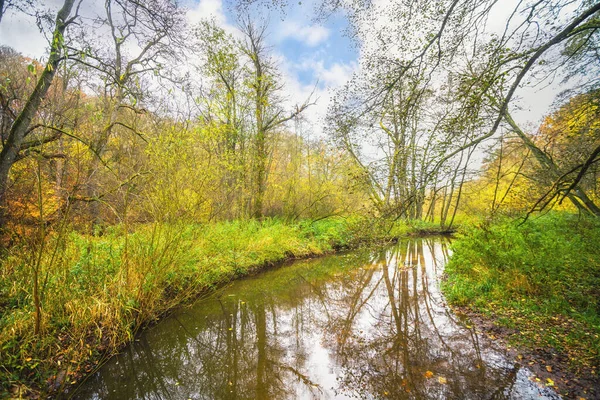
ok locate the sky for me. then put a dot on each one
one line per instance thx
(313, 57)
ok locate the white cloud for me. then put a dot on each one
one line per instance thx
(328, 78)
(310, 35)
(212, 10)
(207, 9)
(334, 76)
(20, 31)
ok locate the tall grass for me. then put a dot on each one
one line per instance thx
(96, 291)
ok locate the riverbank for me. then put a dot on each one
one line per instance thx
(536, 286)
(95, 292)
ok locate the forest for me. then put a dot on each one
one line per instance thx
(147, 159)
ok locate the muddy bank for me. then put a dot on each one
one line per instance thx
(550, 367)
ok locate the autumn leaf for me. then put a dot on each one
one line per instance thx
(442, 380)
(548, 368)
(550, 382)
(428, 374)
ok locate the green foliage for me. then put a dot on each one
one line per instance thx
(120, 281)
(379, 229)
(540, 277)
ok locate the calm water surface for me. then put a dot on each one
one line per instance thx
(362, 325)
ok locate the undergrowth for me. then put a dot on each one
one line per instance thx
(541, 278)
(96, 291)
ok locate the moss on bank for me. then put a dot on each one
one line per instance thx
(97, 291)
(540, 278)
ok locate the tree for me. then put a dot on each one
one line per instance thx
(20, 5)
(20, 127)
(568, 147)
(153, 29)
(449, 40)
(144, 40)
(224, 105)
(268, 112)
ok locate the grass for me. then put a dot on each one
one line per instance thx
(100, 289)
(97, 291)
(541, 278)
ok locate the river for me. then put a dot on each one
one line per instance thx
(358, 325)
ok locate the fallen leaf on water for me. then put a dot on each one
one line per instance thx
(550, 382)
(520, 356)
(442, 380)
(548, 368)
(428, 374)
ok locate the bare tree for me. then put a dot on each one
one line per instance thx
(268, 112)
(451, 39)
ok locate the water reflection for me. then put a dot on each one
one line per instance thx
(360, 325)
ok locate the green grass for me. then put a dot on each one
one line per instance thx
(97, 291)
(541, 278)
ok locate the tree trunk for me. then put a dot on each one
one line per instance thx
(1, 9)
(261, 161)
(20, 127)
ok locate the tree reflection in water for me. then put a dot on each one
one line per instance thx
(358, 325)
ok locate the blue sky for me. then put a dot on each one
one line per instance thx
(312, 57)
(307, 52)
(334, 49)
(295, 35)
